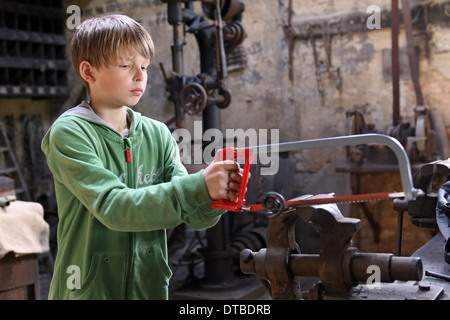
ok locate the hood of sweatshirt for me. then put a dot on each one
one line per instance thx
(84, 111)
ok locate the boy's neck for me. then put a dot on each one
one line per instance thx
(115, 117)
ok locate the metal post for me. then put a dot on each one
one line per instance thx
(399, 233)
(395, 64)
(175, 18)
(218, 257)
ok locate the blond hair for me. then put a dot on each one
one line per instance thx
(103, 39)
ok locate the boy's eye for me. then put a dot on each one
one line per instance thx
(144, 68)
(125, 66)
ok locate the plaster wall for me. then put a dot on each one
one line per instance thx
(263, 96)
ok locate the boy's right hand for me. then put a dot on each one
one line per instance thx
(223, 178)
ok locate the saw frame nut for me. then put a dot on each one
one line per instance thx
(274, 203)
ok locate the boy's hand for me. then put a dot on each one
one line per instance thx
(223, 178)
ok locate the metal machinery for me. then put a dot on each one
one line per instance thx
(338, 270)
(338, 267)
(205, 92)
(218, 33)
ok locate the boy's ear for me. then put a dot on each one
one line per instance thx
(86, 71)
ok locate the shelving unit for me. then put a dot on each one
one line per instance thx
(33, 49)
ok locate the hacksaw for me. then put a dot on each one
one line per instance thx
(409, 193)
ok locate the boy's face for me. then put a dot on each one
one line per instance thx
(121, 83)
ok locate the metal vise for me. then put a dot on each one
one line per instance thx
(428, 178)
(338, 265)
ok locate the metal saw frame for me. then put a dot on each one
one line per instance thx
(409, 192)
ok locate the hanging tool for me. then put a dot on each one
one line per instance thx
(291, 36)
(424, 133)
(395, 64)
(406, 10)
(12, 168)
(275, 204)
(193, 94)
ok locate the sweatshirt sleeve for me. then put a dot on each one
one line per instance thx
(203, 215)
(73, 160)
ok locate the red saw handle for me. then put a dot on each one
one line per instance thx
(234, 153)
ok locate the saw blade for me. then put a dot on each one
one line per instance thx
(325, 200)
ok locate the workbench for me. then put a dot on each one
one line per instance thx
(19, 277)
(23, 235)
(432, 255)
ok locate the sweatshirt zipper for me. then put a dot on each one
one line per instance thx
(131, 183)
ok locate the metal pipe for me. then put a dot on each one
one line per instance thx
(218, 258)
(407, 21)
(175, 18)
(221, 57)
(395, 65)
(399, 232)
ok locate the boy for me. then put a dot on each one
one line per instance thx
(118, 178)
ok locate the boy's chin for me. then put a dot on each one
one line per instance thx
(133, 101)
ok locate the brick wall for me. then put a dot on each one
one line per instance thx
(384, 215)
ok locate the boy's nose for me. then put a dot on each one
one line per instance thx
(139, 75)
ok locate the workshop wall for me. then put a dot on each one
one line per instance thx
(263, 96)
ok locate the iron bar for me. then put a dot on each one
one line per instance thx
(395, 65)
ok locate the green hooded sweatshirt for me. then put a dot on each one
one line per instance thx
(116, 197)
